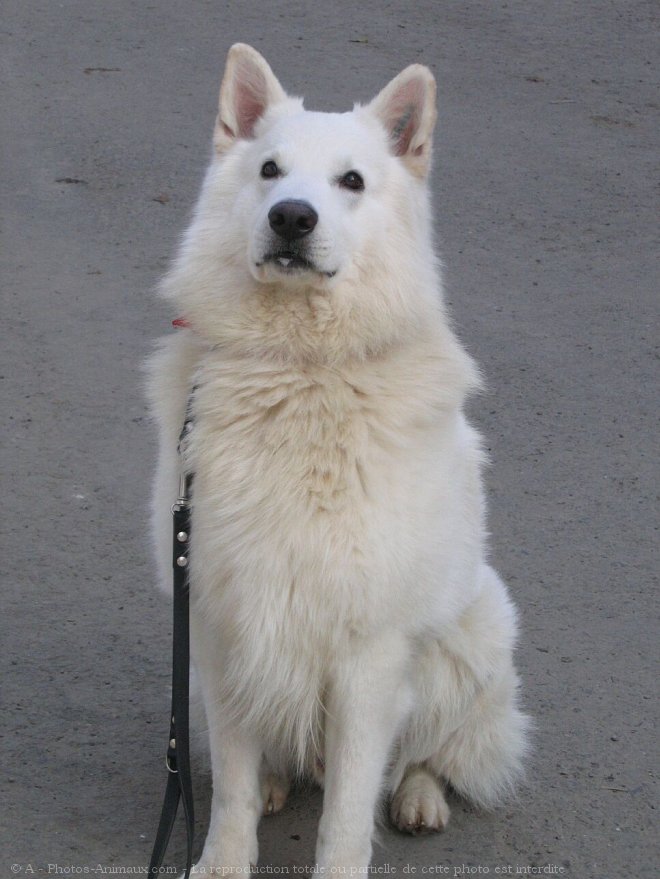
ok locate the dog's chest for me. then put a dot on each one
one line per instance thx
(284, 440)
(295, 504)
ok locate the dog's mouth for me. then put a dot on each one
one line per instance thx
(291, 262)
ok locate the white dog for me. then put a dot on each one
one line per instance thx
(344, 621)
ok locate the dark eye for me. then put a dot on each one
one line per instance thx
(353, 181)
(269, 170)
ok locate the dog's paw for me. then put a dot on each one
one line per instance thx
(274, 791)
(419, 805)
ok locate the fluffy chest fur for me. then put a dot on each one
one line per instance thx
(307, 478)
(316, 469)
(315, 520)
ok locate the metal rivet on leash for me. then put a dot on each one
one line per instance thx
(182, 561)
(182, 536)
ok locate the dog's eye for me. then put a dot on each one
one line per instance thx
(352, 180)
(269, 170)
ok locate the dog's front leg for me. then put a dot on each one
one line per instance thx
(367, 702)
(231, 842)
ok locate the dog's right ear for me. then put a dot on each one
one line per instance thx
(406, 109)
(248, 88)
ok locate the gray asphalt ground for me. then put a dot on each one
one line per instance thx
(543, 190)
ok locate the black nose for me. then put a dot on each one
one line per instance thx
(292, 219)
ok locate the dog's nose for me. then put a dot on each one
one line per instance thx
(292, 219)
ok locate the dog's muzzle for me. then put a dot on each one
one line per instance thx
(291, 220)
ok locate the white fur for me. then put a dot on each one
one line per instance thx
(344, 620)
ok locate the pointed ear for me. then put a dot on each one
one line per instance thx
(248, 88)
(406, 108)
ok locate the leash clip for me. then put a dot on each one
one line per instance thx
(183, 499)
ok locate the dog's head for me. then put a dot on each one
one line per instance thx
(312, 185)
(331, 203)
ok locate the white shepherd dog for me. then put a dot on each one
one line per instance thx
(344, 621)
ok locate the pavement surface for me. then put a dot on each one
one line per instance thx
(543, 191)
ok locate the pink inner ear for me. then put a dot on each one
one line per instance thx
(404, 115)
(250, 100)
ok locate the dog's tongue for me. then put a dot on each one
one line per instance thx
(180, 322)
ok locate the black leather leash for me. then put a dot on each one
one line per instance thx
(179, 780)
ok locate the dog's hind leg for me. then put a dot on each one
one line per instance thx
(467, 728)
(419, 804)
(482, 759)
(274, 790)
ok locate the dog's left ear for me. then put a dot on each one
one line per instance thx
(406, 107)
(248, 88)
